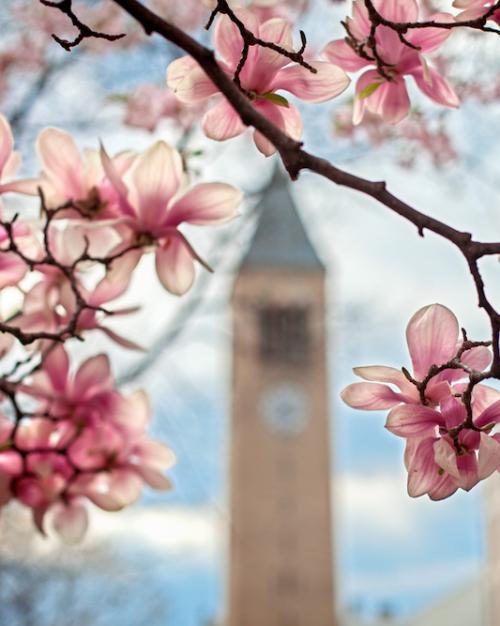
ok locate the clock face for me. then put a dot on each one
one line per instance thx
(284, 409)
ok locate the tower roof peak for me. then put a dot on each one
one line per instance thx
(280, 239)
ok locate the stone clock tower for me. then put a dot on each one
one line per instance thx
(280, 555)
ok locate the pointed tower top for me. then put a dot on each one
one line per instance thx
(280, 240)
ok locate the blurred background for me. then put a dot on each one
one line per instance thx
(165, 560)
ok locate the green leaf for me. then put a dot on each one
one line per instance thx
(275, 99)
(368, 90)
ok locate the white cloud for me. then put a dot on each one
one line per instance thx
(170, 530)
(376, 500)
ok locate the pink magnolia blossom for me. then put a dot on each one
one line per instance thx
(388, 97)
(85, 441)
(82, 396)
(445, 450)
(123, 459)
(432, 335)
(154, 203)
(264, 74)
(70, 177)
(50, 304)
(47, 475)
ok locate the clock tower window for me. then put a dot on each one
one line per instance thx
(284, 336)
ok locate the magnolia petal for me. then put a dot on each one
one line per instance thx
(38, 432)
(413, 420)
(263, 63)
(70, 521)
(286, 118)
(390, 101)
(222, 122)
(453, 411)
(430, 39)
(188, 81)
(483, 396)
(155, 455)
(436, 392)
(11, 464)
(444, 488)
(431, 335)
(469, 439)
(154, 479)
(134, 412)
(370, 396)
(227, 39)
(328, 82)
(61, 162)
(125, 486)
(156, 176)
(114, 176)
(473, 13)
(488, 456)
(368, 80)
(94, 374)
(490, 415)
(11, 165)
(435, 87)
(6, 143)
(117, 278)
(390, 375)
(359, 24)
(12, 269)
(110, 491)
(341, 53)
(128, 344)
(56, 365)
(175, 266)
(446, 457)
(478, 358)
(468, 468)
(205, 203)
(423, 473)
(398, 10)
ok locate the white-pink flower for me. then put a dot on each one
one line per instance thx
(264, 74)
(84, 441)
(154, 202)
(78, 179)
(433, 338)
(387, 96)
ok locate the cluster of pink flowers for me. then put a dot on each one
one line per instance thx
(265, 73)
(386, 94)
(67, 438)
(118, 207)
(82, 440)
(450, 442)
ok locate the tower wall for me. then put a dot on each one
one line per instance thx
(280, 570)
